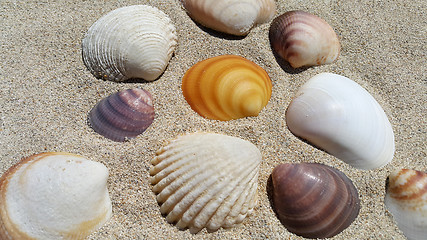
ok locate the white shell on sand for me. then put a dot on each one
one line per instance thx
(337, 115)
(130, 42)
(406, 199)
(206, 180)
(53, 196)
(235, 17)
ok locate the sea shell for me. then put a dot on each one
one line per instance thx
(337, 115)
(53, 196)
(304, 39)
(406, 199)
(226, 87)
(130, 42)
(123, 115)
(235, 17)
(314, 200)
(206, 180)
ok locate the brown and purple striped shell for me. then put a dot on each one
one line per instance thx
(304, 39)
(314, 200)
(123, 115)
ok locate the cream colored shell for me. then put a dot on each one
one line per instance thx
(206, 180)
(235, 17)
(53, 196)
(406, 199)
(130, 42)
(337, 115)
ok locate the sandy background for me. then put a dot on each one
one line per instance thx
(47, 92)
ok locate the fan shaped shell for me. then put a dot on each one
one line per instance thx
(53, 196)
(314, 200)
(226, 87)
(337, 115)
(304, 39)
(130, 42)
(123, 115)
(206, 180)
(235, 17)
(406, 199)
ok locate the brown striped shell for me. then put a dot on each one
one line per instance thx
(304, 39)
(123, 115)
(314, 200)
(406, 199)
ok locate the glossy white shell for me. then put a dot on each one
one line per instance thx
(235, 17)
(130, 42)
(337, 115)
(206, 180)
(406, 199)
(53, 196)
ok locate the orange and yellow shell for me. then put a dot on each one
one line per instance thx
(226, 87)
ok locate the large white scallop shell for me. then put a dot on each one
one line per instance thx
(53, 196)
(206, 180)
(235, 17)
(406, 199)
(130, 42)
(337, 115)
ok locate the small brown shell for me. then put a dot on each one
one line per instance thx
(123, 115)
(314, 200)
(304, 39)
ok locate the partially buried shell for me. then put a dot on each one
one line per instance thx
(226, 87)
(314, 200)
(235, 17)
(304, 39)
(206, 180)
(337, 115)
(123, 115)
(53, 196)
(129, 42)
(406, 199)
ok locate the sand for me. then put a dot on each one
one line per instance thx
(47, 92)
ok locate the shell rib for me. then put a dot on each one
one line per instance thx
(226, 87)
(304, 39)
(337, 115)
(235, 17)
(53, 196)
(314, 200)
(130, 42)
(123, 115)
(206, 180)
(406, 199)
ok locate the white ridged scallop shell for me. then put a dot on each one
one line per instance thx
(206, 180)
(406, 199)
(53, 196)
(129, 42)
(337, 115)
(235, 17)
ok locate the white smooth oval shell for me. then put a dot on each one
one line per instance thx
(406, 199)
(337, 115)
(206, 180)
(130, 42)
(235, 17)
(53, 196)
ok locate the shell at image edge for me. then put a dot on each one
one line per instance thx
(71, 197)
(130, 42)
(236, 17)
(406, 199)
(206, 180)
